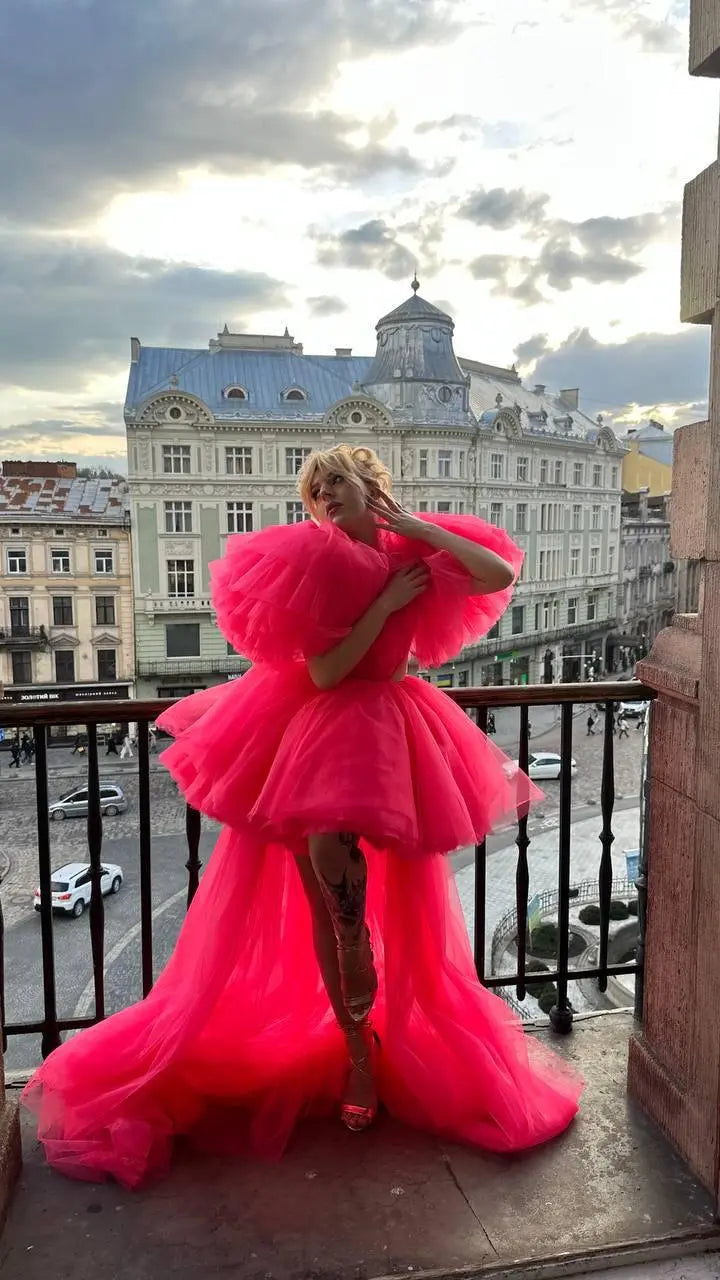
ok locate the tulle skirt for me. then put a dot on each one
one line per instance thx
(237, 1040)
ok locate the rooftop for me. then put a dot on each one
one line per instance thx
(62, 501)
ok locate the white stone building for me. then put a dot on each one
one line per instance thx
(647, 577)
(216, 437)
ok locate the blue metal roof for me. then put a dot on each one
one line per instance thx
(265, 375)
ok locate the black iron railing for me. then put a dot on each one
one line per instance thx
(478, 701)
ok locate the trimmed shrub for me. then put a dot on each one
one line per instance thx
(632, 907)
(547, 997)
(590, 914)
(545, 939)
(618, 910)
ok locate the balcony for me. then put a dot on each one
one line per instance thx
(395, 1200)
(23, 638)
(232, 664)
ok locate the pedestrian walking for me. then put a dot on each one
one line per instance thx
(491, 722)
(78, 746)
(126, 751)
(622, 725)
(591, 721)
(152, 738)
(112, 745)
(26, 749)
(15, 753)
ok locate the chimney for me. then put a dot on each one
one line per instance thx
(343, 351)
(539, 389)
(570, 397)
(134, 350)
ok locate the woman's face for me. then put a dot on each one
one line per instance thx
(336, 499)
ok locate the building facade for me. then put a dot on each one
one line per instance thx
(647, 465)
(66, 604)
(648, 577)
(216, 438)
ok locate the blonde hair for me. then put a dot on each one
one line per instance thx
(360, 466)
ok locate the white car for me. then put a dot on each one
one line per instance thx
(633, 710)
(71, 886)
(546, 764)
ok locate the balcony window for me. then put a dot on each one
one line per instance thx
(182, 640)
(294, 459)
(544, 471)
(494, 632)
(572, 610)
(238, 460)
(591, 607)
(65, 666)
(576, 516)
(521, 521)
(611, 559)
(423, 468)
(62, 611)
(176, 459)
(103, 560)
(518, 619)
(574, 562)
(239, 517)
(20, 616)
(614, 478)
(181, 578)
(613, 517)
(496, 514)
(521, 468)
(579, 473)
(178, 517)
(107, 664)
(559, 473)
(105, 611)
(497, 466)
(295, 513)
(597, 476)
(444, 508)
(444, 463)
(60, 560)
(595, 522)
(21, 666)
(594, 559)
(16, 560)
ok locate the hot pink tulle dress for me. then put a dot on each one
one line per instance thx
(237, 1040)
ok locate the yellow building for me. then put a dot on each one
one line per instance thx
(66, 598)
(648, 463)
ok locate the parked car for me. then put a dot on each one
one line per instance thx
(633, 710)
(74, 804)
(71, 886)
(546, 764)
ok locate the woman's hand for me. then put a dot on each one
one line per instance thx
(404, 586)
(391, 516)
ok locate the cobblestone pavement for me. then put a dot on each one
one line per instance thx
(18, 830)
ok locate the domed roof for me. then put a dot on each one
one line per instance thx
(416, 308)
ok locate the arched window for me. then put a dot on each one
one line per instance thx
(295, 393)
(235, 393)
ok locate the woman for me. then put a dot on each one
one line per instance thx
(342, 781)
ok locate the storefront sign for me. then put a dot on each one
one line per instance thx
(67, 693)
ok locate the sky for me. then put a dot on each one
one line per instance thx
(171, 167)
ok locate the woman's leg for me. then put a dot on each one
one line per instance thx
(360, 1087)
(341, 871)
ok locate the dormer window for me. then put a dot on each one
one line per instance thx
(235, 393)
(295, 393)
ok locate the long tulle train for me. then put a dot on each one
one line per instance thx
(237, 1040)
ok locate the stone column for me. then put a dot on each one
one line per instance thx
(10, 1157)
(674, 1064)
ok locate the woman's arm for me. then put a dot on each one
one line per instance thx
(328, 669)
(489, 572)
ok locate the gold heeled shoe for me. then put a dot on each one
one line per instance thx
(358, 1007)
(355, 1118)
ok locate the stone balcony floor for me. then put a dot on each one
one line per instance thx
(393, 1201)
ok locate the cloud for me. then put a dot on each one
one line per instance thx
(371, 246)
(68, 307)
(629, 235)
(501, 208)
(103, 445)
(102, 97)
(652, 34)
(649, 369)
(457, 121)
(326, 305)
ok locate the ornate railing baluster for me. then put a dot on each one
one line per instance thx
(193, 864)
(561, 1013)
(641, 884)
(146, 941)
(97, 906)
(522, 874)
(605, 873)
(50, 1030)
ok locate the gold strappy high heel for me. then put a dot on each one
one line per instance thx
(358, 1119)
(358, 1007)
